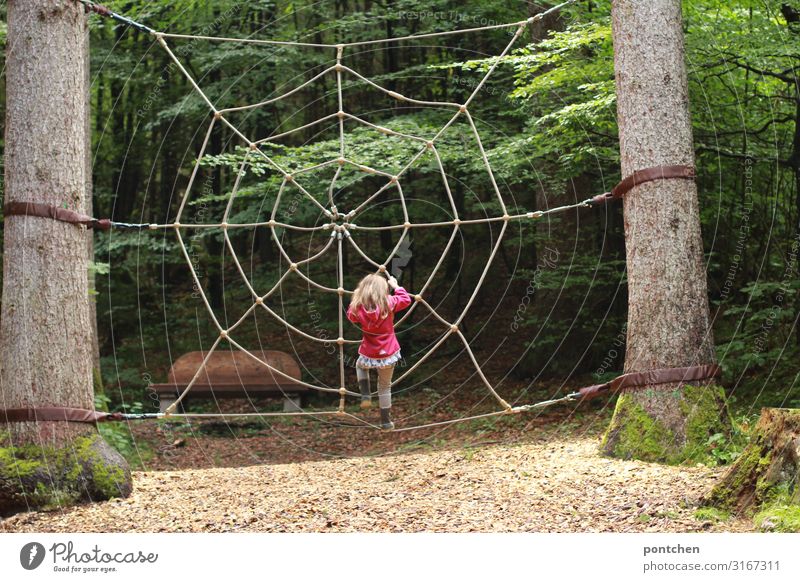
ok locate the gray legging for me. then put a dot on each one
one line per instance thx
(384, 383)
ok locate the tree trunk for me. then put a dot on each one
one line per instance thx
(45, 329)
(766, 477)
(668, 314)
(97, 376)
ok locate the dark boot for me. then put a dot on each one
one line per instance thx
(386, 419)
(366, 397)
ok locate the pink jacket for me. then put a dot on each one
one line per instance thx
(379, 340)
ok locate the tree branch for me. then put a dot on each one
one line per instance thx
(782, 76)
(739, 156)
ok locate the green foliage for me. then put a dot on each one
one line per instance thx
(567, 82)
(547, 118)
(122, 440)
(99, 268)
(711, 514)
(779, 518)
(718, 444)
(725, 447)
(636, 434)
(46, 477)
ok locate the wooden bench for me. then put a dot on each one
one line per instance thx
(233, 375)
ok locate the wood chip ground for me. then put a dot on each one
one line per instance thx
(556, 485)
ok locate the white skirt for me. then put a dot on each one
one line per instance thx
(365, 362)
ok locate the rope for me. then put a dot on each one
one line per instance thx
(103, 11)
(631, 380)
(342, 225)
(40, 210)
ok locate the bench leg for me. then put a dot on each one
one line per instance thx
(292, 404)
(165, 402)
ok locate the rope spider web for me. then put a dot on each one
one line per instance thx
(341, 225)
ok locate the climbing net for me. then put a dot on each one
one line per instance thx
(341, 225)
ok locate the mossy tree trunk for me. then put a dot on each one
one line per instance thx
(45, 329)
(668, 314)
(766, 476)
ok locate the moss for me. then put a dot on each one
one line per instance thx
(51, 498)
(46, 477)
(107, 478)
(725, 494)
(705, 413)
(711, 514)
(765, 491)
(635, 434)
(99, 388)
(779, 510)
(779, 517)
(764, 479)
(29, 478)
(13, 466)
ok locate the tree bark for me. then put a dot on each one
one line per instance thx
(97, 376)
(45, 329)
(668, 313)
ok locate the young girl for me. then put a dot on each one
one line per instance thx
(373, 309)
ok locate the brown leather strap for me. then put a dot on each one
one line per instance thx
(643, 176)
(651, 174)
(652, 378)
(55, 213)
(97, 8)
(55, 413)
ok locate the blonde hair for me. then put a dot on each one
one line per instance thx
(372, 293)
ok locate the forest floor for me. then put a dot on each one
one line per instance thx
(533, 473)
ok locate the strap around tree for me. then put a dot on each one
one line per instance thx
(55, 414)
(652, 378)
(644, 176)
(54, 212)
